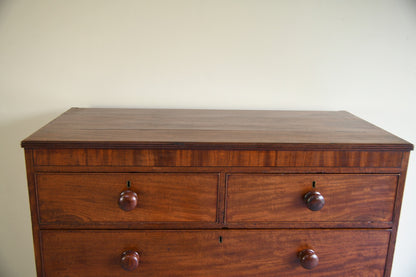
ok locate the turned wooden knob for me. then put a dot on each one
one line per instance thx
(130, 260)
(314, 200)
(308, 258)
(128, 200)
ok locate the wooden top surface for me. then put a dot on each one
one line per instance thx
(212, 129)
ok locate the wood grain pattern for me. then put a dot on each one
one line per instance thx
(218, 129)
(219, 193)
(204, 158)
(216, 253)
(93, 198)
(235, 169)
(272, 197)
(37, 243)
(396, 214)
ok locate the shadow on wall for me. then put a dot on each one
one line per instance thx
(16, 251)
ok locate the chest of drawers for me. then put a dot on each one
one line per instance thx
(141, 192)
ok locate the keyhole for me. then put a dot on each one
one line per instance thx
(128, 184)
(313, 184)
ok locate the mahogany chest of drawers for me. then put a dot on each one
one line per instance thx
(141, 192)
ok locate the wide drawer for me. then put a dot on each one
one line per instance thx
(94, 198)
(215, 253)
(260, 198)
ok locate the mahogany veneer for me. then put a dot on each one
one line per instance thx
(120, 192)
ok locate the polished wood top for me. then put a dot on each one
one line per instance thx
(212, 129)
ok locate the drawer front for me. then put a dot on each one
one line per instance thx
(215, 253)
(281, 197)
(94, 198)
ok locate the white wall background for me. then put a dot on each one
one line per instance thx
(355, 55)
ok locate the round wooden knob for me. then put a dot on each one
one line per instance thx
(308, 258)
(128, 200)
(314, 200)
(130, 260)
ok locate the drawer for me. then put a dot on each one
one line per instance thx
(215, 253)
(94, 198)
(259, 198)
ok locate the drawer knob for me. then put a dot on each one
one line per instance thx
(130, 260)
(314, 200)
(308, 258)
(128, 200)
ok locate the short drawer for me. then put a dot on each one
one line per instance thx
(365, 198)
(215, 253)
(94, 198)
